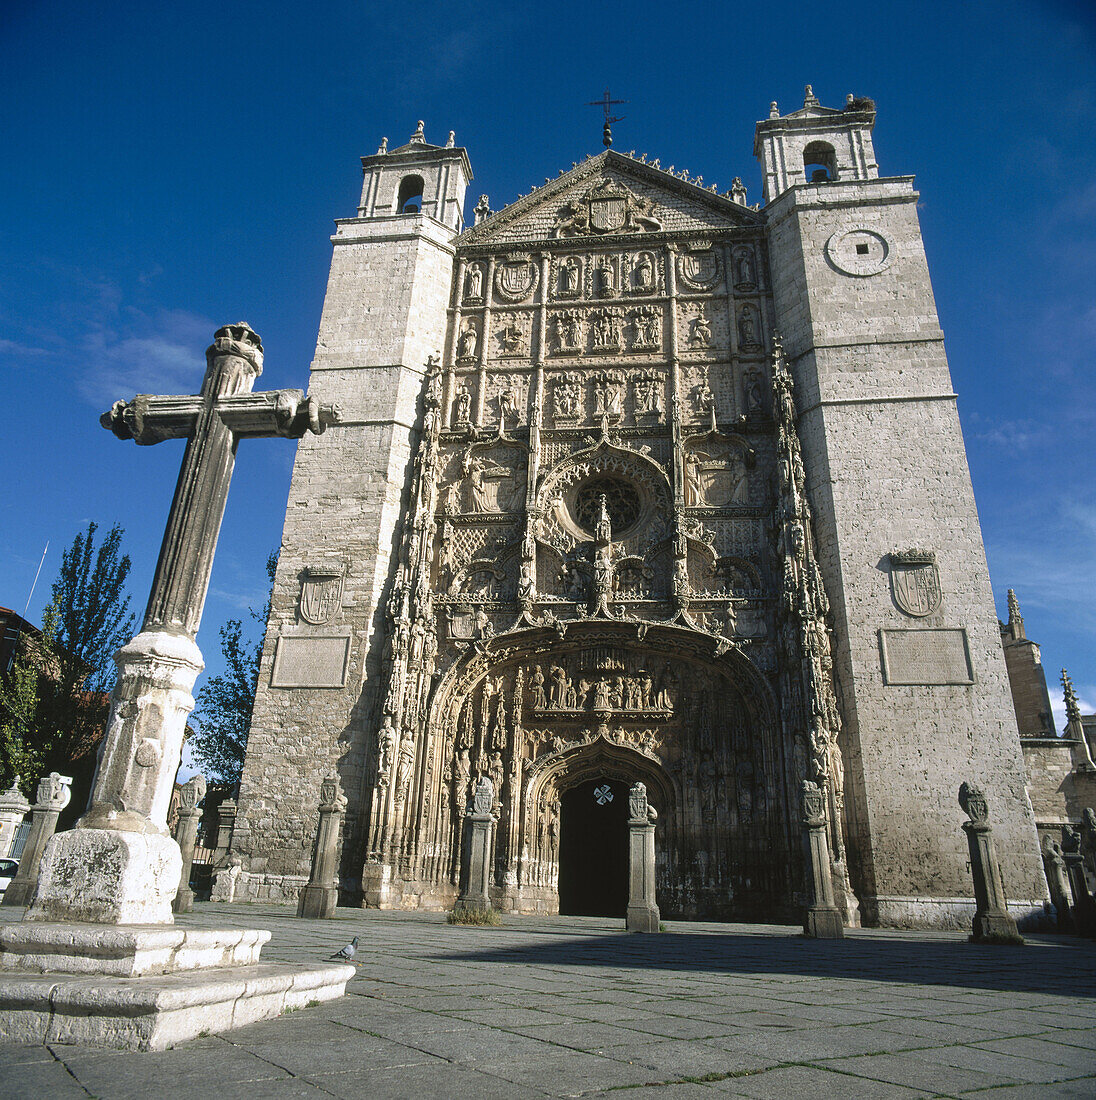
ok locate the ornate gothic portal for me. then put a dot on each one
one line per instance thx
(607, 570)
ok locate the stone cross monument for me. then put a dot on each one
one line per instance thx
(119, 865)
(992, 921)
(320, 897)
(642, 914)
(479, 833)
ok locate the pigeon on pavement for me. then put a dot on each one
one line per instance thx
(348, 951)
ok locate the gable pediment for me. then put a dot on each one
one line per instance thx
(611, 196)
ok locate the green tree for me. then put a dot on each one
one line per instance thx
(54, 701)
(223, 709)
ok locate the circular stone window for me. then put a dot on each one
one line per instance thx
(860, 252)
(621, 501)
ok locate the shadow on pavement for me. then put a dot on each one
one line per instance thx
(1044, 965)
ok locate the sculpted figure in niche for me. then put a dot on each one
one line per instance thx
(560, 687)
(510, 337)
(582, 693)
(747, 328)
(475, 282)
(701, 335)
(566, 397)
(754, 396)
(480, 496)
(540, 697)
(386, 745)
(463, 405)
(466, 345)
(703, 400)
(606, 278)
(508, 405)
(406, 762)
(601, 695)
(567, 332)
(645, 273)
(745, 269)
(569, 276)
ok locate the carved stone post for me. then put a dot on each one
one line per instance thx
(226, 822)
(13, 808)
(1055, 866)
(479, 827)
(1084, 908)
(992, 921)
(53, 797)
(823, 917)
(321, 895)
(642, 915)
(186, 833)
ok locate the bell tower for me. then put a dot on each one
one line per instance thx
(384, 315)
(924, 694)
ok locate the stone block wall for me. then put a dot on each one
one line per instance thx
(887, 472)
(384, 313)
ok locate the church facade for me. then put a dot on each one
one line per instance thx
(634, 481)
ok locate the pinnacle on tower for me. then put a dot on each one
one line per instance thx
(1073, 708)
(1015, 619)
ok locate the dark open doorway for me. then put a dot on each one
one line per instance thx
(593, 849)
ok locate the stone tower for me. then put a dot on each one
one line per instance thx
(588, 521)
(384, 316)
(923, 688)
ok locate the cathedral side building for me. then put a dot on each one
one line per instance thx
(633, 481)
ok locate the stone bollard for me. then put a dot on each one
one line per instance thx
(13, 808)
(320, 897)
(642, 915)
(992, 921)
(479, 826)
(53, 797)
(1084, 908)
(226, 823)
(823, 921)
(1054, 865)
(186, 833)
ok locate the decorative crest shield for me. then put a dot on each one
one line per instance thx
(321, 593)
(608, 212)
(915, 582)
(699, 268)
(515, 278)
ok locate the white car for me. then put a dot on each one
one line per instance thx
(8, 867)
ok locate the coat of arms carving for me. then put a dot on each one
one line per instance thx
(321, 594)
(915, 582)
(699, 268)
(608, 207)
(515, 278)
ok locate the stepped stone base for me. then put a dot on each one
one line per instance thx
(125, 951)
(155, 1012)
(145, 987)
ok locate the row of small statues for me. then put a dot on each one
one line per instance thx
(558, 691)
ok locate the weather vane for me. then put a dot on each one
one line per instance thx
(606, 103)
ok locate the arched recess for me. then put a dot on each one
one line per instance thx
(675, 708)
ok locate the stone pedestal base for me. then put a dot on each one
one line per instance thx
(641, 918)
(107, 876)
(125, 952)
(145, 987)
(318, 902)
(995, 928)
(824, 923)
(153, 1013)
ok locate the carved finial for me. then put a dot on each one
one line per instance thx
(809, 98)
(383, 149)
(774, 110)
(1073, 708)
(849, 99)
(418, 136)
(973, 801)
(738, 191)
(451, 140)
(1015, 619)
(482, 210)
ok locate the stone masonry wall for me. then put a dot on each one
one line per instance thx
(384, 313)
(887, 472)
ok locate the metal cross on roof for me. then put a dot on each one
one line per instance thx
(606, 103)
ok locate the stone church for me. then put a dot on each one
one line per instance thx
(636, 481)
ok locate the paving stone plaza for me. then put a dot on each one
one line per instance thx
(571, 1006)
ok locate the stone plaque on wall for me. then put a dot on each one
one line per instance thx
(930, 656)
(310, 661)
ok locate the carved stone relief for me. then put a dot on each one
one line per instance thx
(699, 268)
(516, 277)
(607, 207)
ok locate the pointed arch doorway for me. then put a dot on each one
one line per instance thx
(593, 849)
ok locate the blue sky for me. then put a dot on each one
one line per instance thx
(169, 168)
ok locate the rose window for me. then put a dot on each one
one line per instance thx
(621, 501)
